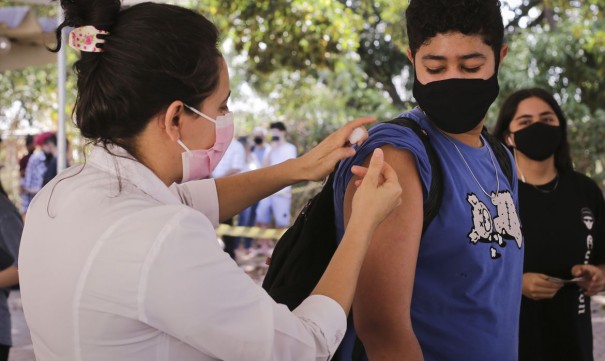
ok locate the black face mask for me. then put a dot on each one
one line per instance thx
(456, 105)
(538, 141)
(275, 138)
(258, 140)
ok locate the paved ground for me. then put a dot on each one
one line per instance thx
(23, 351)
(598, 326)
(22, 344)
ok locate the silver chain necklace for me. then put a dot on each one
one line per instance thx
(546, 191)
(491, 156)
(538, 188)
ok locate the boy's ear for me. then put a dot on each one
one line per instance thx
(503, 52)
(410, 56)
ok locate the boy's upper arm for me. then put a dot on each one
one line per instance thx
(386, 281)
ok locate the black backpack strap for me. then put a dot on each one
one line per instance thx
(359, 351)
(303, 252)
(433, 202)
(501, 155)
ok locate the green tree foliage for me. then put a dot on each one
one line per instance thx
(555, 44)
(307, 35)
(302, 58)
(316, 63)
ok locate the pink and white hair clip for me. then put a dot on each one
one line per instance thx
(86, 38)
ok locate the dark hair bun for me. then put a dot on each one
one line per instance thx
(100, 13)
(154, 54)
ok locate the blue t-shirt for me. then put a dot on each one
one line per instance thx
(467, 288)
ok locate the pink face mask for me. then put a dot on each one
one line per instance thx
(199, 163)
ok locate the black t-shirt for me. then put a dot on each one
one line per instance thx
(563, 225)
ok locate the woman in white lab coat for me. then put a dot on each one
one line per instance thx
(119, 259)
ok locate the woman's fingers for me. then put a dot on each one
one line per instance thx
(359, 171)
(383, 180)
(348, 128)
(342, 135)
(321, 160)
(537, 286)
(389, 174)
(375, 168)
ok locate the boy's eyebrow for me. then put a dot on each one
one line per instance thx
(472, 56)
(462, 57)
(434, 57)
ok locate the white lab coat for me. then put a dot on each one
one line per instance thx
(113, 266)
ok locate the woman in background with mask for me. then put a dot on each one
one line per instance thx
(563, 218)
(119, 258)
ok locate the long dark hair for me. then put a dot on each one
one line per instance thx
(153, 55)
(509, 108)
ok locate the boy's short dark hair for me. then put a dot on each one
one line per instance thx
(278, 125)
(427, 18)
(29, 139)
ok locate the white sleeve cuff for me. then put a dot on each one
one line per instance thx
(327, 315)
(200, 195)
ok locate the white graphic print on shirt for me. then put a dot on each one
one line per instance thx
(587, 217)
(488, 229)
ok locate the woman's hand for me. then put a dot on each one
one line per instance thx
(237, 192)
(320, 161)
(593, 278)
(537, 286)
(378, 191)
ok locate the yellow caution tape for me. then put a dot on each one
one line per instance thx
(250, 232)
(257, 232)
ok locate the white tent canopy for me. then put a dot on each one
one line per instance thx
(25, 36)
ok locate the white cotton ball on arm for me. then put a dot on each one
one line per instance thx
(357, 134)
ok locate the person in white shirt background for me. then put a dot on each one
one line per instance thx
(255, 153)
(260, 149)
(119, 259)
(233, 162)
(275, 209)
